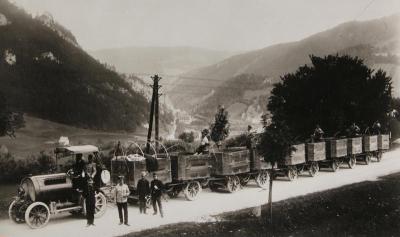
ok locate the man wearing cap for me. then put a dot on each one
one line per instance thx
(121, 197)
(156, 188)
(203, 148)
(143, 189)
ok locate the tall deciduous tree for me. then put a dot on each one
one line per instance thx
(333, 92)
(220, 127)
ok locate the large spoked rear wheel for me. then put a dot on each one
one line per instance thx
(100, 205)
(14, 212)
(192, 190)
(37, 215)
(244, 179)
(232, 184)
(314, 168)
(262, 179)
(352, 162)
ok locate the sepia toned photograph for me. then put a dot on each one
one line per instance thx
(200, 118)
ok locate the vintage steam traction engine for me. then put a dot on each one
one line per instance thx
(41, 196)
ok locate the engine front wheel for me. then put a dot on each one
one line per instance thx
(37, 215)
(14, 212)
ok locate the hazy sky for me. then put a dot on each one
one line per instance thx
(216, 24)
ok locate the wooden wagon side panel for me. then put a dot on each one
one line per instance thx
(383, 142)
(316, 151)
(370, 143)
(189, 167)
(297, 156)
(354, 145)
(231, 163)
(336, 148)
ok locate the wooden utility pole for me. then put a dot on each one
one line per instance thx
(154, 108)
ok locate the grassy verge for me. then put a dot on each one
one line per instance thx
(363, 209)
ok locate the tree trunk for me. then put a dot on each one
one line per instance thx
(270, 227)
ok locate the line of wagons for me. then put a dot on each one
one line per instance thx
(227, 169)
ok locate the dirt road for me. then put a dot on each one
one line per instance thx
(208, 204)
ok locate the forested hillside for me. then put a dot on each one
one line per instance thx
(44, 73)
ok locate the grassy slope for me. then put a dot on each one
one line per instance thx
(38, 135)
(364, 209)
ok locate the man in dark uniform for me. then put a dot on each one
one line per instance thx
(79, 168)
(143, 189)
(156, 189)
(354, 130)
(90, 201)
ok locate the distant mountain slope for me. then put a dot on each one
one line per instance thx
(46, 74)
(273, 61)
(167, 60)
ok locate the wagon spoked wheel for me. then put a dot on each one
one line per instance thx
(379, 156)
(262, 179)
(244, 179)
(37, 215)
(334, 166)
(292, 174)
(367, 159)
(192, 190)
(352, 162)
(232, 184)
(314, 168)
(100, 205)
(13, 210)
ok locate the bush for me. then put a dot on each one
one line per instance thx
(13, 170)
(187, 137)
(240, 140)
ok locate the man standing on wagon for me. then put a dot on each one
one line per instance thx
(318, 134)
(156, 188)
(203, 148)
(143, 189)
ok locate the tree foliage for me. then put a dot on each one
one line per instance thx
(187, 137)
(9, 120)
(333, 92)
(220, 127)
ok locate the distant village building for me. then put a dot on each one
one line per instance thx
(183, 117)
(10, 57)
(3, 150)
(3, 20)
